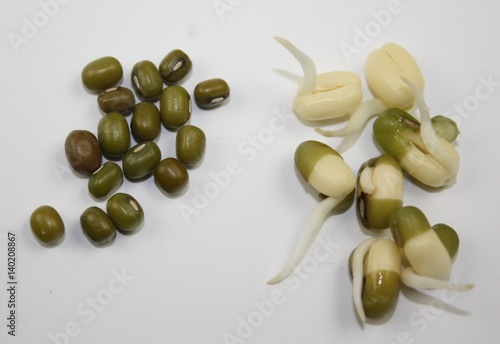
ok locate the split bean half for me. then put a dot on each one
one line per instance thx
(384, 69)
(445, 127)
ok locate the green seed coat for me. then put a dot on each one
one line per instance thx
(47, 225)
(171, 176)
(190, 144)
(102, 73)
(448, 237)
(175, 107)
(175, 66)
(119, 99)
(105, 180)
(146, 80)
(141, 160)
(308, 153)
(146, 122)
(125, 212)
(114, 135)
(384, 291)
(211, 93)
(406, 223)
(97, 225)
(374, 212)
(396, 131)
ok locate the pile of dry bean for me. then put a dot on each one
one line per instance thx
(157, 99)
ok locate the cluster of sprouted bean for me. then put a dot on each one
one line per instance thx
(405, 248)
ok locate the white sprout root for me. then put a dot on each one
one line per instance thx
(311, 231)
(429, 136)
(358, 258)
(308, 67)
(358, 119)
(413, 280)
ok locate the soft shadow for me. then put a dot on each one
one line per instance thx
(348, 142)
(132, 232)
(427, 300)
(288, 75)
(172, 195)
(105, 244)
(51, 245)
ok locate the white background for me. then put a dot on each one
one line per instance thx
(203, 280)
